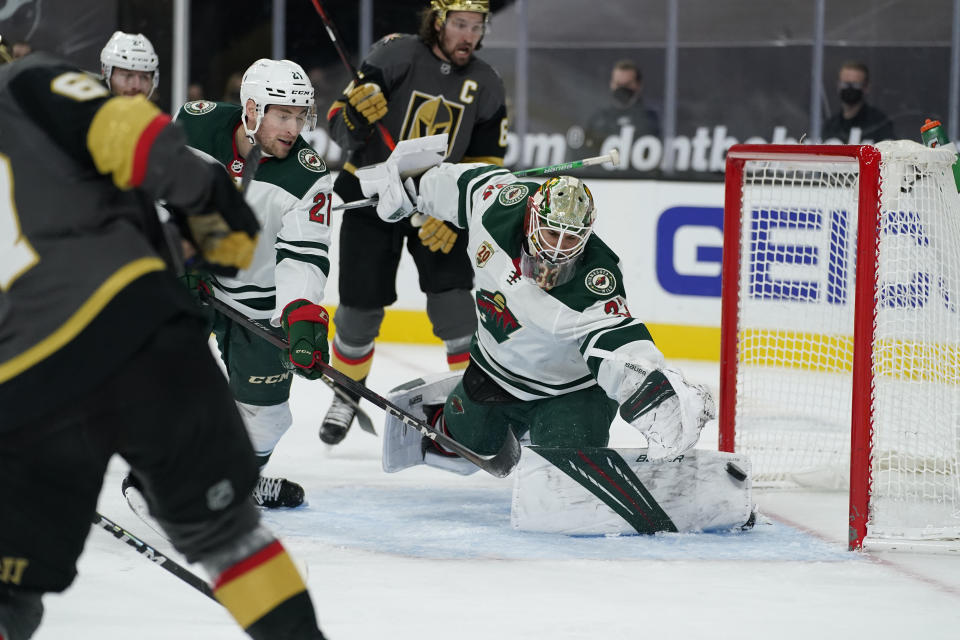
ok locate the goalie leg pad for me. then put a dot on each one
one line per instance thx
(402, 446)
(604, 491)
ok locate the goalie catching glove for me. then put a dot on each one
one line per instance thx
(365, 104)
(306, 325)
(437, 235)
(396, 198)
(669, 412)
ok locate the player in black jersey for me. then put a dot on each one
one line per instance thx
(103, 352)
(414, 86)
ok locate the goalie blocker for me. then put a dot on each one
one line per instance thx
(588, 491)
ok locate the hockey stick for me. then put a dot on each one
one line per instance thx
(280, 342)
(250, 165)
(499, 464)
(613, 157)
(153, 555)
(332, 33)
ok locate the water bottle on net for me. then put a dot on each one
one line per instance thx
(934, 136)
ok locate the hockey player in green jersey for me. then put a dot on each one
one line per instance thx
(412, 86)
(102, 352)
(291, 196)
(556, 351)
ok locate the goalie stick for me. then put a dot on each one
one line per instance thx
(500, 464)
(153, 555)
(280, 342)
(613, 157)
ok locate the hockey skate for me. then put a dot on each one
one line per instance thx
(337, 422)
(274, 493)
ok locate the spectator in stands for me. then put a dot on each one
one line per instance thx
(625, 108)
(231, 92)
(853, 84)
(194, 92)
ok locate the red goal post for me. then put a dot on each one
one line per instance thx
(840, 334)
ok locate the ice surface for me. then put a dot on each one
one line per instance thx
(425, 554)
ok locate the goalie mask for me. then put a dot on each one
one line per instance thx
(131, 51)
(269, 82)
(556, 227)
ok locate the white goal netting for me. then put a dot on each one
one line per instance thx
(795, 332)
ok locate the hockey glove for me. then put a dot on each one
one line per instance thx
(437, 235)
(395, 198)
(306, 325)
(225, 229)
(669, 412)
(365, 104)
(198, 287)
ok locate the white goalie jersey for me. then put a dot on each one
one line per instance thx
(538, 343)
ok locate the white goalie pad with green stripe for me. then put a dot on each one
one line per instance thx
(607, 491)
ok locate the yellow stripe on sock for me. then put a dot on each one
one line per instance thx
(260, 588)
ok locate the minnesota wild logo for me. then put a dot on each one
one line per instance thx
(601, 281)
(512, 194)
(199, 107)
(495, 316)
(310, 160)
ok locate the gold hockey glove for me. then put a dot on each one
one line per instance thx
(437, 235)
(366, 100)
(225, 229)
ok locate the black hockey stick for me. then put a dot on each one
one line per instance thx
(258, 328)
(250, 165)
(153, 555)
(332, 33)
(499, 464)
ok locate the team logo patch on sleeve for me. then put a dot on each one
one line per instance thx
(600, 281)
(199, 107)
(484, 253)
(512, 194)
(310, 160)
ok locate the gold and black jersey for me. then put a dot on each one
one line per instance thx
(72, 237)
(427, 96)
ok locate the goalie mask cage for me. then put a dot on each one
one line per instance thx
(840, 337)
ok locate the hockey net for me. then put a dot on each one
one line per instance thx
(841, 329)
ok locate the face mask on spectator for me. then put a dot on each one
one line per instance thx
(623, 95)
(851, 93)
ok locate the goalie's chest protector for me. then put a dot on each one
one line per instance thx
(527, 338)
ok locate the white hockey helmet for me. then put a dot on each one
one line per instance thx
(269, 82)
(131, 51)
(564, 207)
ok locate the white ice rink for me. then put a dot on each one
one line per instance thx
(424, 554)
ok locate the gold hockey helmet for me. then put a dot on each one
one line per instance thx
(443, 6)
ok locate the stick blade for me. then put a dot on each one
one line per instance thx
(505, 460)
